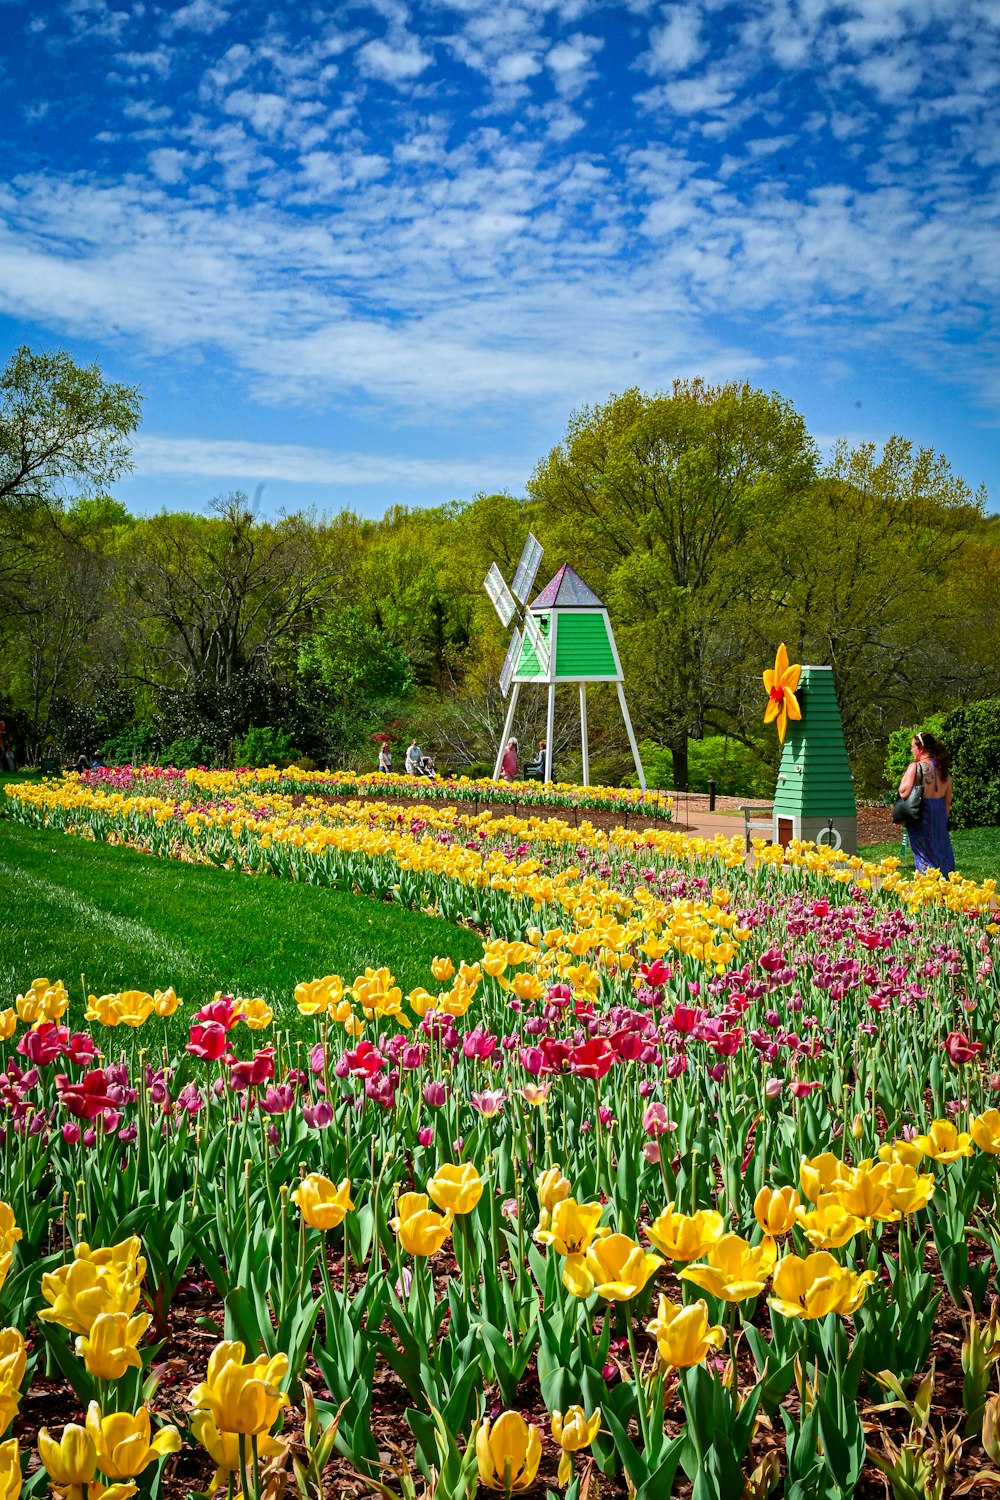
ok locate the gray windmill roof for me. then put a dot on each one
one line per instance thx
(567, 590)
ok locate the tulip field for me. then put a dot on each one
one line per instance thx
(686, 1183)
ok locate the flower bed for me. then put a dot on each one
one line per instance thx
(693, 1173)
(375, 784)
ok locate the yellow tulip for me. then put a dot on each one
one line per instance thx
(865, 1194)
(103, 1008)
(317, 996)
(124, 1444)
(111, 1347)
(553, 1188)
(420, 1231)
(9, 1236)
(420, 1001)
(256, 1014)
(683, 1237)
(909, 1190)
(817, 1285)
(683, 1335)
(70, 1462)
(13, 1360)
(8, 1023)
(241, 1397)
(821, 1174)
(907, 1152)
(573, 1430)
(10, 1470)
(134, 1008)
(42, 1002)
(508, 1452)
(615, 1267)
(829, 1225)
(572, 1226)
(321, 1202)
(984, 1129)
(165, 1002)
(442, 969)
(735, 1270)
(81, 1292)
(774, 1209)
(224, 1447)
(456, 1187)
(944, 1143)
(124, 1258)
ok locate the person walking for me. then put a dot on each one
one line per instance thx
(509, 763)
(385, 759)
(414, 759)
(930, 768)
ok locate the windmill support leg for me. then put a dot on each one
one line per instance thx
(631, 736)
(583, 734)
(508, 723)
(550, 724)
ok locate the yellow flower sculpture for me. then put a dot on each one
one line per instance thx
(780, 684)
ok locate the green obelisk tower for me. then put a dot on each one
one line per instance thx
(815, 786)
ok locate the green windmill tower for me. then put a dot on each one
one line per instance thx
(565, 637)
(814, 797)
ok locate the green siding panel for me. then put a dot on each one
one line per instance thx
(814, 778)
(528, 668)
(583, 646)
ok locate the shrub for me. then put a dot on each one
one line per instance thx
(897, 755)
(135, 744)
(972, 734)
(183, 754)
(264, 746)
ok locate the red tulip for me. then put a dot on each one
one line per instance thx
(592, 1059)
(208, 1042)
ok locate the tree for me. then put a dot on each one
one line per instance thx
(64, 429)
(651, 497)
(221, 605)
(862, 577)
(352, 681)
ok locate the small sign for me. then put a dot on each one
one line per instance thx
(527, 568)
(510, 662)
(498, 591)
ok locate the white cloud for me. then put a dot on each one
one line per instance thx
(161, 457)
(394, 61)
(170, 166)
(201, 15)
(678, 43)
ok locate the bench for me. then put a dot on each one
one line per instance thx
(753, 822)
(535, 771)
(49, 764)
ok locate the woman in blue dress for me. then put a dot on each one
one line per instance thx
(929, 839)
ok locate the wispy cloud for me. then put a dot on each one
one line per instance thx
(162, 457)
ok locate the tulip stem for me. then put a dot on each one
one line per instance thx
(243, 1464)
(639, 1391)
(597, 1128)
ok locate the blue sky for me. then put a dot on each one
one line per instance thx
(376, 254)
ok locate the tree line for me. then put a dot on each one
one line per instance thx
(704, 516)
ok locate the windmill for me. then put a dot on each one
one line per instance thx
(563, 636)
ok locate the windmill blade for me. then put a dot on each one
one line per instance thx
(510, 662)
(524, 575)
(498, 591)
(537, 641)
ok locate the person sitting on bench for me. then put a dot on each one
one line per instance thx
(535, 770)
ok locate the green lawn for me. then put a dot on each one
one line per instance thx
(977, 852)
(128, 921)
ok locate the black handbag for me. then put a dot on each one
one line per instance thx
(909, 810)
